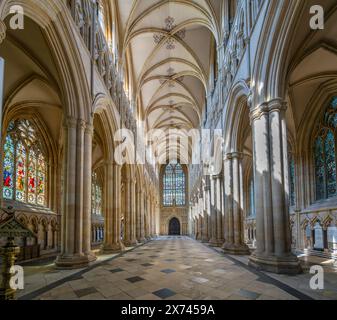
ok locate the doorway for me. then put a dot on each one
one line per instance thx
(174, 227)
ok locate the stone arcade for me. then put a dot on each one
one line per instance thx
(252, 72)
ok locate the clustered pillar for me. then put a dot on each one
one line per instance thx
(216, 214)
(76, 215)
(273, 251)
(130, 213)
(112, 240)
(234, 240)
(206, 231)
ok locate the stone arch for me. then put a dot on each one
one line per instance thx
(272, 55)
(23, 219)
(238, 99)
(306, 135)
(34, 222)
(26, 111)
(104, 106)
(57, 31)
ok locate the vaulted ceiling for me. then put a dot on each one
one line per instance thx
(168, 46)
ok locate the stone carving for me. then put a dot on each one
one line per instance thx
(169, 26)
(2, 31)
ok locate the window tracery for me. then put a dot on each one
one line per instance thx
(96, 195)
(174, 190)
(24, 164)
(325, 154)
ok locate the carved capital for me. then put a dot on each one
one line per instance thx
(275, 105)
(81, 124)
(237, 155)
(70, 123)
(89, 128)
(257, 112)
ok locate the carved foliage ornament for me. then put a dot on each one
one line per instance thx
(169, 26)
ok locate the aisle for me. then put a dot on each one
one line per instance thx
(176, 268)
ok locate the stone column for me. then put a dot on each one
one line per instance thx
(138, 214)
(133, 213)
(200, 214)
(215, 207)
(157, 213)
(196, 218)
(130, 218)
(142, 216)
(273, 251)
(127, 212)
(155, 216)
(234, 237)
(212, 240)
(205, 208)
(223, 226)
(147, 218)
(152, 218)
(228, 196)
(112, 204)
(87, 177)
(208, 206)
(73, 216)
(219, 201)
(79, 195)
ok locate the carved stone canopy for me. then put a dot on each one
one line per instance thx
(11, 227)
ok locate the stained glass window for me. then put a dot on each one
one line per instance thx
(41, 179)
(24, 166)
(96, 195)
(174, 185)
(325, 154)
(32, 177)
(8, 168)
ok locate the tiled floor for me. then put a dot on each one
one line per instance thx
(177, 268)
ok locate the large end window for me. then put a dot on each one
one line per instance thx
(174, 189)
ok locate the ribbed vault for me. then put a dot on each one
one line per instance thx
(168, 51)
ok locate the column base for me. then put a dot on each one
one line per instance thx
(239, 250)
(141, 240)
(113, 248)
(7, 294)
(205, 240)
(130, 243)
(216, 242)
(74, 261)
(281, 265)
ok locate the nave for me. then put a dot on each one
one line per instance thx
(104, 104)
(172, 268)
